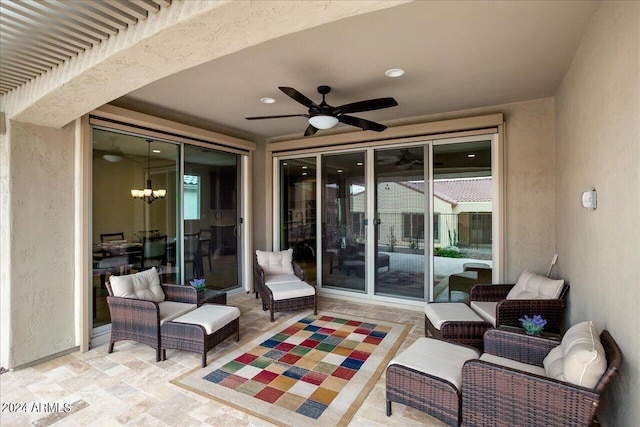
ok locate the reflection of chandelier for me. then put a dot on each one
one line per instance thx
(149, 194)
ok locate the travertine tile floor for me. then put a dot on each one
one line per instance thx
(128, 387)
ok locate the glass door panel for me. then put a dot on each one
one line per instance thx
(130, 234)
(343, 221)
(400, 222)
(462, 218)
(211, 220)
(298, 212)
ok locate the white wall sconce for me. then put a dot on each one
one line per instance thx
(589, 199)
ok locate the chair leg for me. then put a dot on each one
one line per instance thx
(111, 347)
(204, 360)
(388, 408)
(158, 351)
(238, 335)
(271, 311)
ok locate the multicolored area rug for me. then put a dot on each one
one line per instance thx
(310, 370)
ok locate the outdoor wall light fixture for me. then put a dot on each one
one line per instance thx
(148, 194)
(589, 199)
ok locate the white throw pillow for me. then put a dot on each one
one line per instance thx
(144, 285)
(584, 359)
(276, 262)
(553, 363)
(534, 286)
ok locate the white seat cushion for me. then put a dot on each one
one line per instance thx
(210, 316)
(169, 310)
(509, 363)
(534, 286)
(280, 278)
(486, 310)
(276, 262)
(144, 285)
(440, 312)
(288, 290)
(437, 358)
(584, 359)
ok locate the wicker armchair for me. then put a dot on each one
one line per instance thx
(498, 395)
(139, 320)
(268, 287)
(508, 311)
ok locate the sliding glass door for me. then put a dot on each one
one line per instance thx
(414, 222)
(298, 212)
(211, 217)
(400, 222)
(343, 221)
(157, 203)
(131, 234)
(462, 233)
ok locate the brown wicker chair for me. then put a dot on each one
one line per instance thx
(139, 320)
(500, 396)
(508, 311)
(271, 303)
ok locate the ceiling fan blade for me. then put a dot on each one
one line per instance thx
(292, 93)
(276, 117)
(362, 123)
(311, 130)
(371, 104)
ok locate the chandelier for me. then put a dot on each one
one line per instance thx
(148, 194)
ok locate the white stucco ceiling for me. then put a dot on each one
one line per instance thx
(457, 55)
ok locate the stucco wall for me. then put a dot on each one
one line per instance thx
(598, 146)
(38, 272)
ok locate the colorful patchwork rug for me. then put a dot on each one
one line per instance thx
(310, 370)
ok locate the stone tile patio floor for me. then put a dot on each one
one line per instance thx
(128, 387)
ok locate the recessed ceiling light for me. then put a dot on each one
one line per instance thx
(339, 170)
(156, 151)
(394, 72)
(267, 100)
(359, 163)
(304, 167)
(284, 163)
(304, 173)
(471, 156)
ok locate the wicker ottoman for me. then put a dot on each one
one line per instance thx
(428, 376)
(454, 321)
(201, 329)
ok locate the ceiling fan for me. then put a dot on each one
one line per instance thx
(403, 162)
(324, 116)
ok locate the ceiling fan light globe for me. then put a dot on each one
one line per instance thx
(113, 158)
(323, 122)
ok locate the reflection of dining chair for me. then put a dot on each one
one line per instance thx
(206, 244)
(193, 253)
(147, 233)
(106, 267)
(107, 237)
(154, 251)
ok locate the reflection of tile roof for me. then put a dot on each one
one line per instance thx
(457, 190)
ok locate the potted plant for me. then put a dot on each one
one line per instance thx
(198, 284)
(533, 325)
